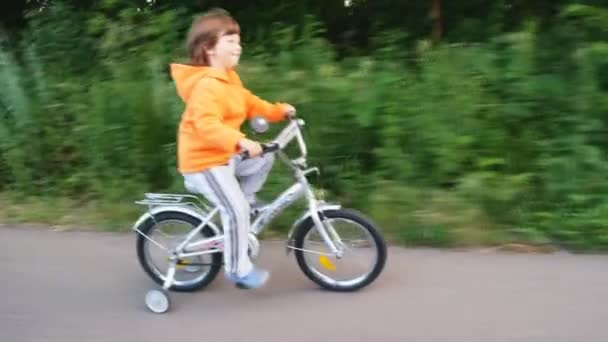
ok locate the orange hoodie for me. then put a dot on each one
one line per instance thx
(217, 104)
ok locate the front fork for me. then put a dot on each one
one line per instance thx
(323, 227)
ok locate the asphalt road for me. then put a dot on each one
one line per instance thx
(88, 286)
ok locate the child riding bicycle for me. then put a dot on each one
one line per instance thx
(209, 136)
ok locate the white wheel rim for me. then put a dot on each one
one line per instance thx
(189, 269)
(157, 301)
(327, 278)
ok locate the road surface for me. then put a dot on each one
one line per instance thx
(88, 286)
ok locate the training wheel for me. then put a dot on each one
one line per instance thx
(157, 301)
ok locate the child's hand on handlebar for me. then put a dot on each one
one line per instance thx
(254, 147)
(288, 110)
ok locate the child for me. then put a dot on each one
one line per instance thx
(216, 105)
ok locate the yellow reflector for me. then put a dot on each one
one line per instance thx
(179, 266)
(325, 262)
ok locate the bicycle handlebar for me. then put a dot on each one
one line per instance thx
(266, 148)
(287, 134)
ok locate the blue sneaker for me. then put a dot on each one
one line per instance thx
(255, 279)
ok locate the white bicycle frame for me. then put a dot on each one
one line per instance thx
(301, 188)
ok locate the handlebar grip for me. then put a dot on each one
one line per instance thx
(266, 148)
(291, 114)
(244, 155)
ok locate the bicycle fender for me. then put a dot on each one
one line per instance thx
(182, 209)
(320, 208)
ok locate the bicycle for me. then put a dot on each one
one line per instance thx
(204, 238)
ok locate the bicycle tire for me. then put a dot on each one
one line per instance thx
(352, 215)
(207, 232)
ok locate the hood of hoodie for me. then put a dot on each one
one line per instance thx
(187, 76)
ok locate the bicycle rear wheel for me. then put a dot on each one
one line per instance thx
(169, 229)
(364, 252)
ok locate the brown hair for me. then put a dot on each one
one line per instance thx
(205, 32)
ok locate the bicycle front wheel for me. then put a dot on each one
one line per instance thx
(364, 251)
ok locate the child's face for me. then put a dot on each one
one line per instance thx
(227, 51)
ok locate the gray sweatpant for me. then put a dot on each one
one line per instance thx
(232, 188)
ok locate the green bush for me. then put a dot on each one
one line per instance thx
(451, 144)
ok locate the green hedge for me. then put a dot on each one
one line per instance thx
(442, 145)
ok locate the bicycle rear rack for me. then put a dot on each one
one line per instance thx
(160, 199)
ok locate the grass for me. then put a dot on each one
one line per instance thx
(441, 221)
(105, 214)
(434, 222)
(68, 213)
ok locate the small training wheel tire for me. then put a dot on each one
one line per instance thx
(157, 301)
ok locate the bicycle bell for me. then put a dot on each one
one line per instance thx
(259, 124)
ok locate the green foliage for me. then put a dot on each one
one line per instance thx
(450, 144)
